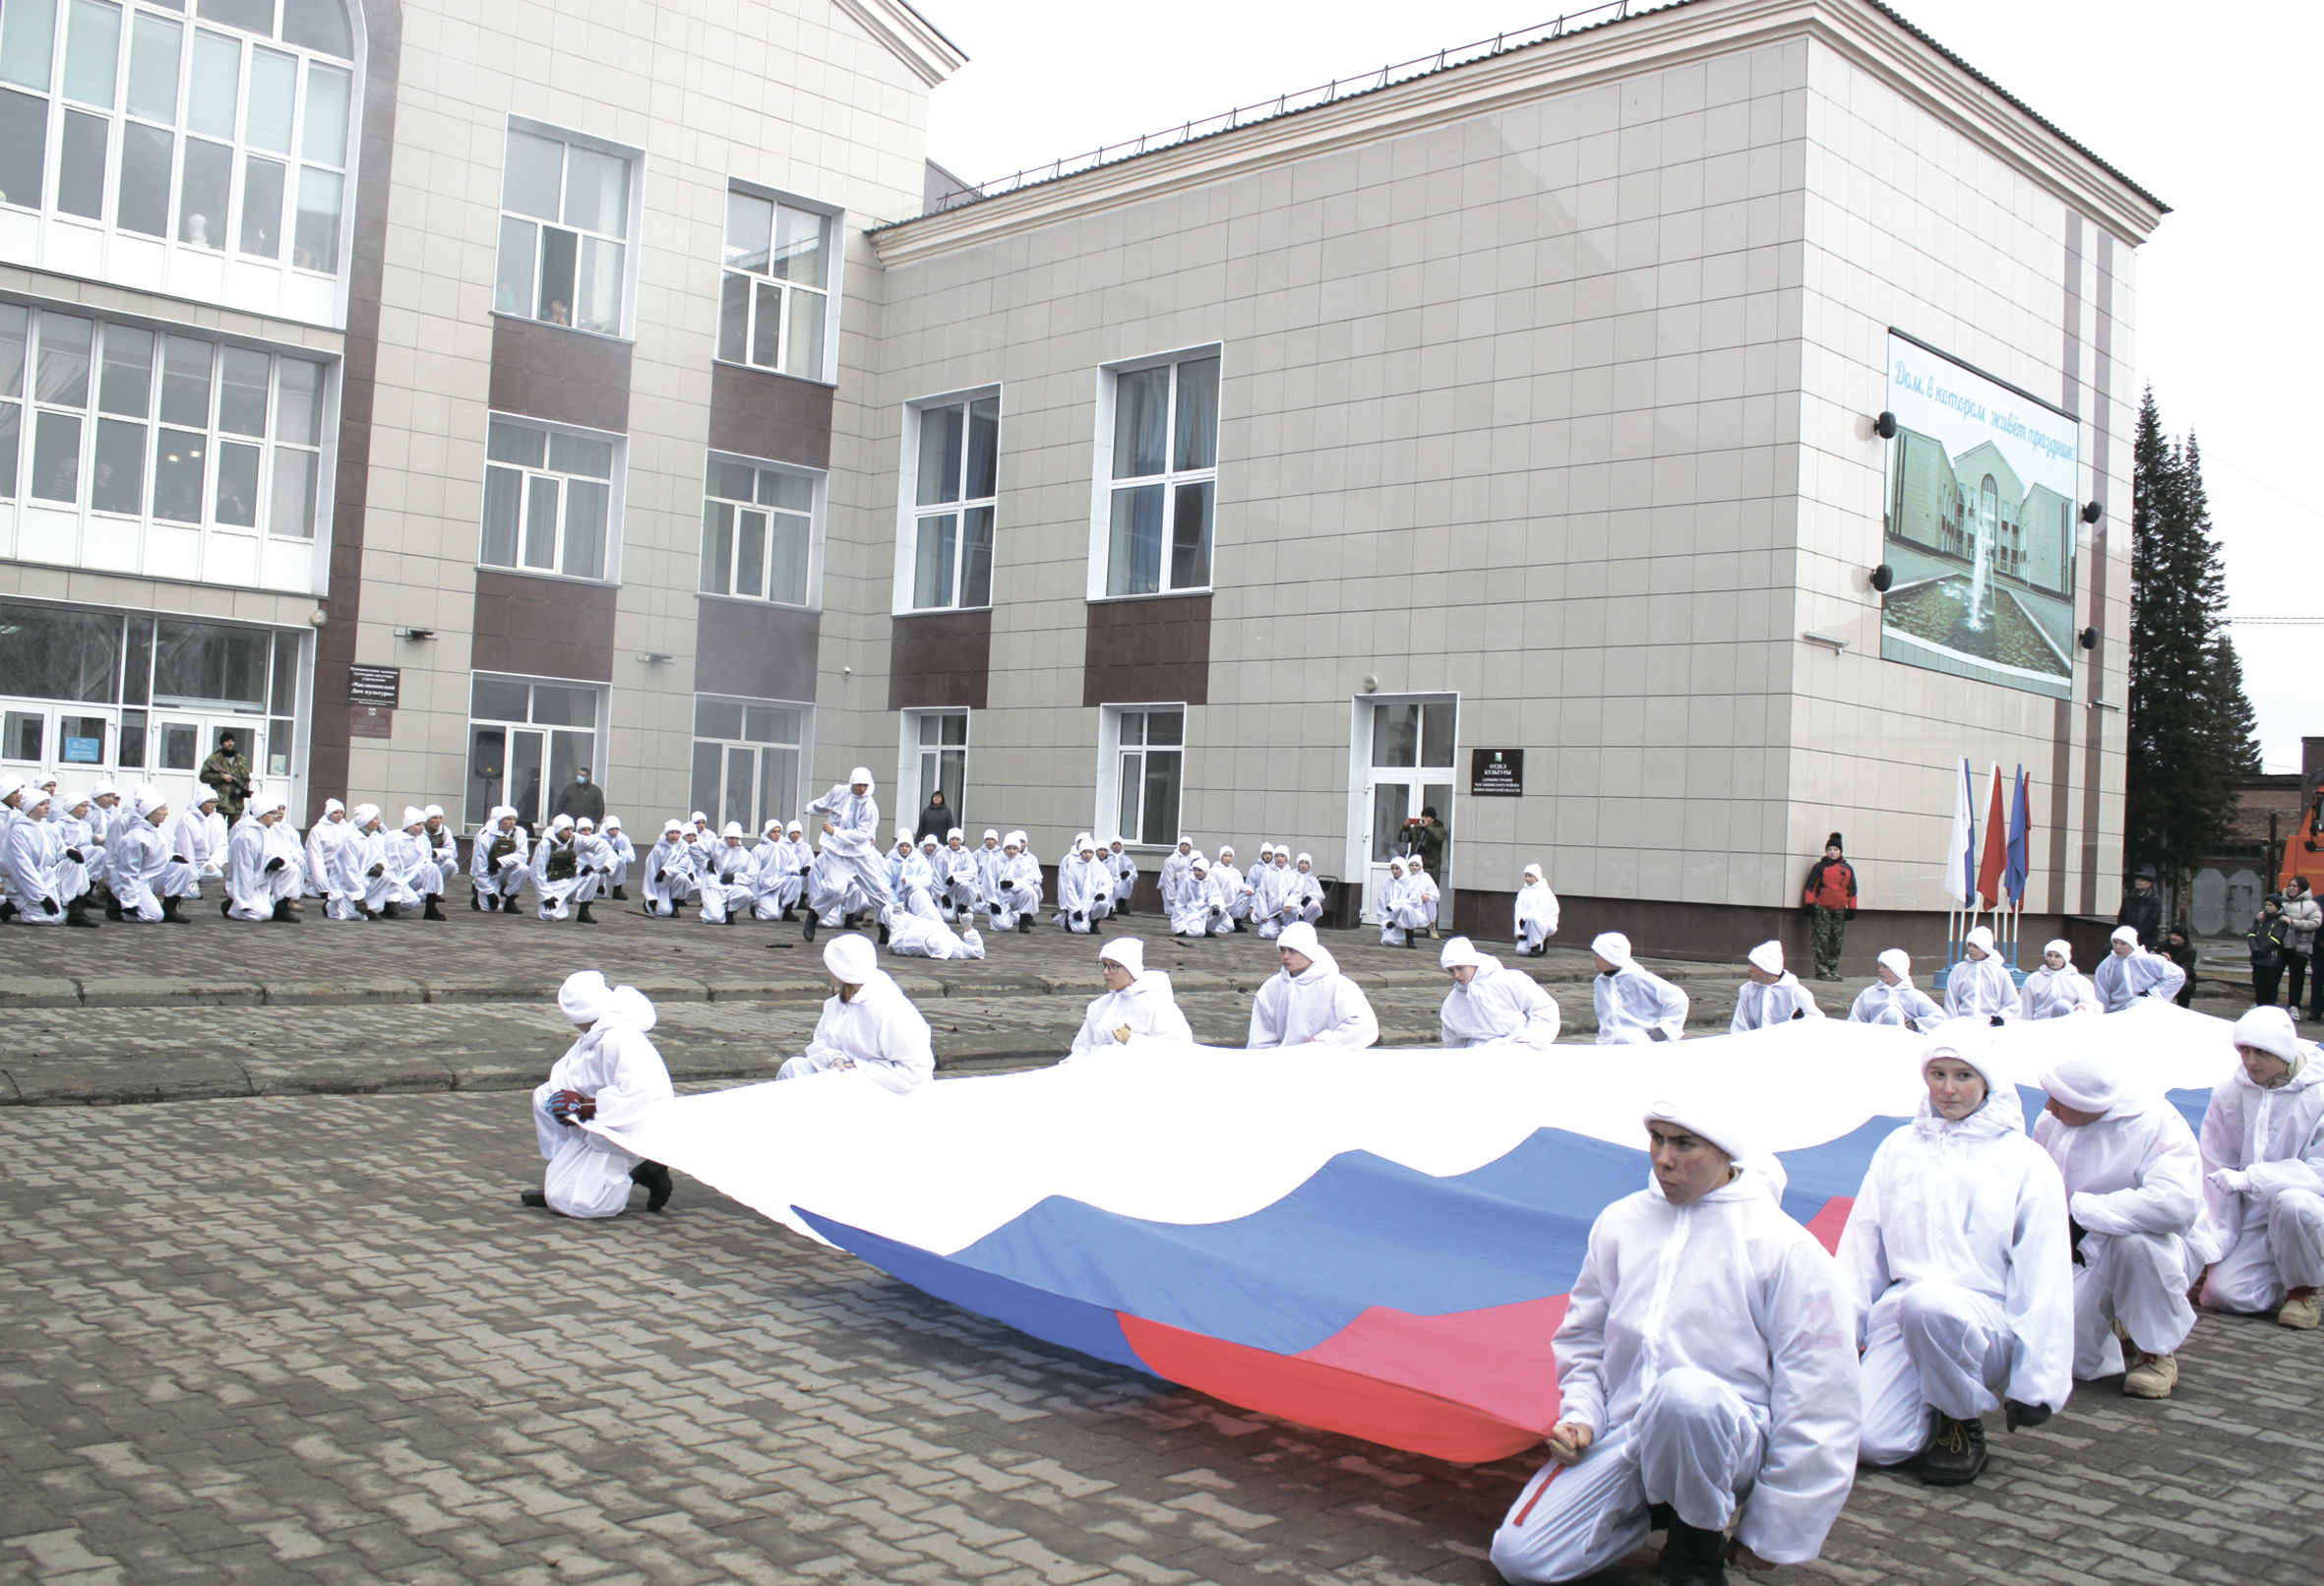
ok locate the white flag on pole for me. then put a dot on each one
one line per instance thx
(1961, 856)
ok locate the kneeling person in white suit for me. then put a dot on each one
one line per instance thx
(1633, 1006)
(870, 1025)
(1489, 1002)
(1309, 1000)
(1959, 1271)
(1137, 1001)
(1894, 1000)
(2263, 1185)
(2134, 1187)
(1707, 1373)
(609, 1076)
(1772, 995)
(2057, 988)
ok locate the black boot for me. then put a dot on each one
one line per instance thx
(883, 935)
(1956, 1451)
(657, 1179)
(531, 1197)
(807, 926)
(170, 915)
(431, 912)
(8, 910)
(283, 913)
(225, 908)
(476, 902)
(77, 913)
(1024, 925)
(620, 897)
(112, 907)
(391, 911)
(585, 916)
(788, 914)
(1691, 1557)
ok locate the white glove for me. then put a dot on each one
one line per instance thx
(2230, 1180)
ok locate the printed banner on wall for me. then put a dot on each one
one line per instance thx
(1981, 525)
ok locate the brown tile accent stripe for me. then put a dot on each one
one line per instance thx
(546, 371)
(756, 413)
(2070, 397)
(754, 650)
(334, 644)
(2102, 454)
(1147, 650)
(941, 658)
(544, 627)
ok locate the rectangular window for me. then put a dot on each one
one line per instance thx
(1149, 766)
(193, 107)
(1161, 497)
(951, 473)
(185, 428)
(940, 762)
(774, 301)
(758, 530)
(564, 233)
(526, 741)
(746, 761)
(548, 500)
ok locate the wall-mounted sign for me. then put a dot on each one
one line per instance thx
(1497, 773)
(375, 685)
(84, 751)
(370, 721)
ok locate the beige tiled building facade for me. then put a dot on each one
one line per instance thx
(564, 386)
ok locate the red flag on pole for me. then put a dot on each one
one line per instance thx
(1995, 857)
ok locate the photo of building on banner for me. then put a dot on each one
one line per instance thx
(1981, 525)
(1986, 862)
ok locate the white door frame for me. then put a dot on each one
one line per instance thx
(1364, 777)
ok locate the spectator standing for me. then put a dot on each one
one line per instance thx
(580, 798)
(227, 772)
(2305, 915)
(2179, 948)
(2270, 940)
(2142, 909)
(1830, 898)
(937, 818)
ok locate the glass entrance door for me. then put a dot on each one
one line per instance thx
(1412, 743)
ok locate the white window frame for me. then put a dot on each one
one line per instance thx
(834, 263)
(911, 788)
(600, 730)
(241, 149)
(630, 242)
(1108, 811)
(908, 511)
(820, 483)
(23, 397)
(615, 502)
(1103, 484)
(803, 752)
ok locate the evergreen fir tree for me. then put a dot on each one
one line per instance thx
(2190, 726)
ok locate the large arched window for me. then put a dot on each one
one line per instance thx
(165, 140)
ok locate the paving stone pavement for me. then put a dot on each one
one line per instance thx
(313, 1339)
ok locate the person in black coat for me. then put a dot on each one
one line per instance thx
(580, 798)
(938, 819)
(2179, 948)
(2142, 910)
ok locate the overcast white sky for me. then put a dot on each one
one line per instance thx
(2209, 110)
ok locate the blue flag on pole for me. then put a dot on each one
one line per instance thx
(2013, 877)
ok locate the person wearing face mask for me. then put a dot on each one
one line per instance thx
(1536, 912)
(2057, 988)
(1893, 999)
(849, 856)
(1980, 986)
(1633, 1004)
(1488, 1002)
(1707, 1377)
(1959, 1271)
(2129, 972)
(868, 1026)
(323, 840)
(1309, 1000)
(2263, 1174)
(610, 1075)
(581, 797)
(1772, 994)
(1138, 1001)
(2134, 1187)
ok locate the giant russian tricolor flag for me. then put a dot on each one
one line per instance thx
(1376, 1243)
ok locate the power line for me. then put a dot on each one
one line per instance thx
(2303, 622)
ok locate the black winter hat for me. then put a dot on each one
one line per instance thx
(1833, 841)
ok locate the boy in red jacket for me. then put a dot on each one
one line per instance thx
(1830, 895)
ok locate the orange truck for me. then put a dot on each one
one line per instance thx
(2304, 849)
